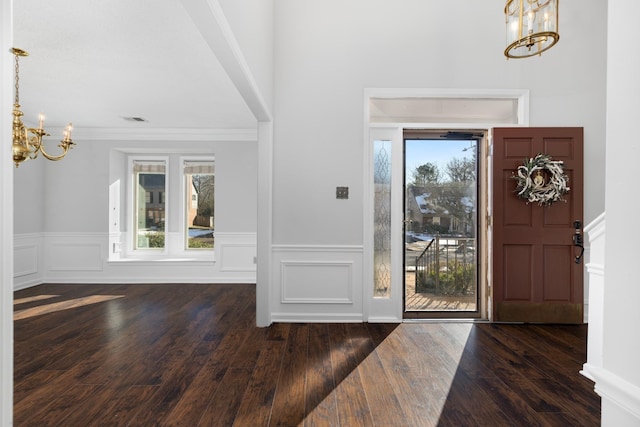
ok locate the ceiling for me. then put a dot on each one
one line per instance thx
(99, 63)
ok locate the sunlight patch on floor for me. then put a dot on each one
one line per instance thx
(59, 306)
(434, 372)
(33, 298)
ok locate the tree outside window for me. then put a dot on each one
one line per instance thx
(200, 204)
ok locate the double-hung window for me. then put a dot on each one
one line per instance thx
(199, 203)
(150, 185)
(172, 207)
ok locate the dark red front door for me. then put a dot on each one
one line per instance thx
(535, 276)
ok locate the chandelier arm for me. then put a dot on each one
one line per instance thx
(58, 157)
(65, 144)
(34, 142)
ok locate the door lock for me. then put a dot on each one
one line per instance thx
(578, 240)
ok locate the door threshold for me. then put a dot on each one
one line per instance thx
(445, 320)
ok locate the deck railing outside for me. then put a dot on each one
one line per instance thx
(447, 266)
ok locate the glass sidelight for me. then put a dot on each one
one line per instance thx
(382, 218)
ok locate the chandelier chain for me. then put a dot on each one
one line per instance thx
(17, 85)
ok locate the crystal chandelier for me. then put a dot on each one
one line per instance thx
(532, 27)
(27, 142)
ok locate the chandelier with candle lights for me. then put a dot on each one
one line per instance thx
(27, 142)
(532, 27)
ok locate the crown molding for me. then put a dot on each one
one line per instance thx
(161, 134)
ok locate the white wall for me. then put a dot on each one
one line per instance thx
(327, 53)
(30, 191)
(619, 381)
(73, 246)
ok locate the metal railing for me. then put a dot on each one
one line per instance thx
(447, 266)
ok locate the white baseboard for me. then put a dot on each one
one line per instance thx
(316, 318)
(621, 397)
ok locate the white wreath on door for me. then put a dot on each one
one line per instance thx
(542, 180)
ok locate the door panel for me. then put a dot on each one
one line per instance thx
(535, 275)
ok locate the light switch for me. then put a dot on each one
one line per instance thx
(342, 192)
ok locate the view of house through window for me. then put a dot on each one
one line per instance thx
(150, 190)
(441, 225)
(160, 216)
(199, 203)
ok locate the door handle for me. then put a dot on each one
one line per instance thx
(578, 240)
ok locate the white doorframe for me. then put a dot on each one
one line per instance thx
(6, 219)
(390, 307)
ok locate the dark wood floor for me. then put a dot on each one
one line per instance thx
(190, 355)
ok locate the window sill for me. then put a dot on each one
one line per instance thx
(162, 260)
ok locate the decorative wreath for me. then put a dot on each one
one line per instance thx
(541, 180)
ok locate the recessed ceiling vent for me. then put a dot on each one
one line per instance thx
(135, 119)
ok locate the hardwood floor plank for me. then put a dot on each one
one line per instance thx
(319, 401)
(40, 397)
(257, 401)
(381, 399)
(124, 405)
(279, 331)
(505, 366)
(353, 409)
(57, 408)
(209, 389)
(510, 403)
(225, 403)
(65, 405)
(288, 403)
(511, 355)
(420, 396)
(26, 386)
(250, 349)
(189, 355)
(178, 375)
(537, 352)
(465, 395)
(561, 340)
(566, 398)
(455, 342)
(208, 384)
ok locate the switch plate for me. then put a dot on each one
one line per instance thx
(342, 192)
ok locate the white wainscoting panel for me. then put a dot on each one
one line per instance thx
(27, 260)
(74, 257)
(317, 283)
(84, 258)
(236, 252)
